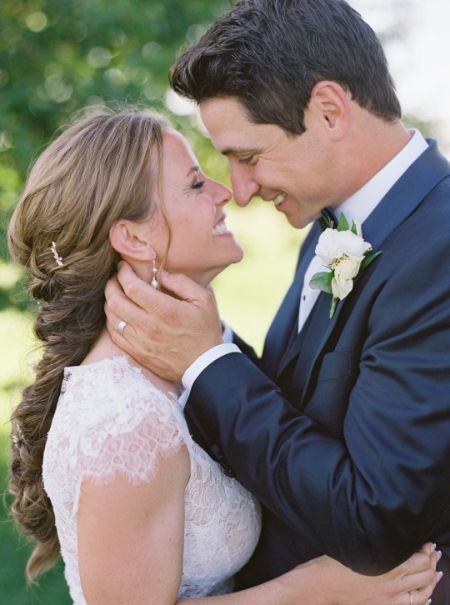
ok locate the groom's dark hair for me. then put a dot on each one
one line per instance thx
(271, 53)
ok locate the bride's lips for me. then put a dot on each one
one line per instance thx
(220, 228)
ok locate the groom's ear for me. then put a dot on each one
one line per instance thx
(132, 240)
(332, 104)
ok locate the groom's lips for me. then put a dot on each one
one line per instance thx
(281, 203)
(279, 200)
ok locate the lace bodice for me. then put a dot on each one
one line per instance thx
(111, 420)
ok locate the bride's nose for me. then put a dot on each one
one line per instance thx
(222, 195)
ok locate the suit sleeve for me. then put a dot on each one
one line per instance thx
(374, 496)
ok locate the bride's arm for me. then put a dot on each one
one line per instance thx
(130, 546)
(130, 537)
(324, 581)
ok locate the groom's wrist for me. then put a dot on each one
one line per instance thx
(202, 362)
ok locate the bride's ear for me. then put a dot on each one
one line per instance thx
(131, 240)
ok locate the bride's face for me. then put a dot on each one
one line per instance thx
(201, 245)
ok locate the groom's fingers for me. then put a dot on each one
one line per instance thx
(141, 293)
(140, 332)
(113, 322)
(185, 288)
(120, 308)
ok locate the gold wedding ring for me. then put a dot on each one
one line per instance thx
(121, 327)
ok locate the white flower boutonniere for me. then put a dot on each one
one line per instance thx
(344, 253)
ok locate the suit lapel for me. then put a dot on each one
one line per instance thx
(284, 325)
(401, 201)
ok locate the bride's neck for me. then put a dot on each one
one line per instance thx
(104, 348)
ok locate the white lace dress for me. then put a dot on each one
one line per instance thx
(110, 420)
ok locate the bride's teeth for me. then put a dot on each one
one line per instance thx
(220, 228)
(279, 199)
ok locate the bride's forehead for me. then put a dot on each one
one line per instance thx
(175, 143)
(179, 160)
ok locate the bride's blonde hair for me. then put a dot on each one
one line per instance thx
(102, 168)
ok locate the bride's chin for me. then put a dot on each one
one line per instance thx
(206, 278)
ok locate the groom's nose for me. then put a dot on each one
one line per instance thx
(244, 187)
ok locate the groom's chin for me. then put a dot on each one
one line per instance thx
(298, 221)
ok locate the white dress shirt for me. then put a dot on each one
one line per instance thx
(357, 208)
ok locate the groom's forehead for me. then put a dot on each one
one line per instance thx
(231, 129)
(224, 113)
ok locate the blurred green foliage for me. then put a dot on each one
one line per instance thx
(57, 56)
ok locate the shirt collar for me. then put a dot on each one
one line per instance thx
(363, 202)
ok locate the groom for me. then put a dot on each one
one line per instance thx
(342, 429)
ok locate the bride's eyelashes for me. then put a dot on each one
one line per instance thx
(195, 186)
(198, 185)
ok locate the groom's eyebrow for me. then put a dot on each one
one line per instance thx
(240, 151)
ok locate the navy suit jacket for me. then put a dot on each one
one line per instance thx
(343, 430)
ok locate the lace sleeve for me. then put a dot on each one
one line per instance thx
(135, 452)
(125, 426)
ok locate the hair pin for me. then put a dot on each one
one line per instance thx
(58, 259)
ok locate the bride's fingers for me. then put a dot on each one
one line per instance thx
(420, 580)
(419, 561)
(428, 548)
(423, 595)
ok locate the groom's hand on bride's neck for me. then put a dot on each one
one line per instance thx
(166, 331)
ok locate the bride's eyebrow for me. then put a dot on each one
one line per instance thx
(192, 170)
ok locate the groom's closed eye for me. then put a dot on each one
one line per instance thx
(243, 156)
(249, 160)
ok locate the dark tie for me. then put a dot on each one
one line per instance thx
(328, 219)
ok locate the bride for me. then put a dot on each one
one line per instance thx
(104, 470)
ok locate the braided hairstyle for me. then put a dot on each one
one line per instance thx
(102, 168)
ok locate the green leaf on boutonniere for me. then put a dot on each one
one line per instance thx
(369, 259)
(322, 281)
(334, 303)
(354, 228)
(343, 223)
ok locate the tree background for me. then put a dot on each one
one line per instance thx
(57, 56)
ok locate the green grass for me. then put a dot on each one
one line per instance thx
(16, 344)
(14, 552)
(248, 295)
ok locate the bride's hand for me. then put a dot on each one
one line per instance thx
(412, 582)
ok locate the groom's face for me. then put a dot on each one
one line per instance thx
(292, 171)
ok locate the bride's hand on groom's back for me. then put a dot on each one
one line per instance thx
(411, 582)
(166, 330)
